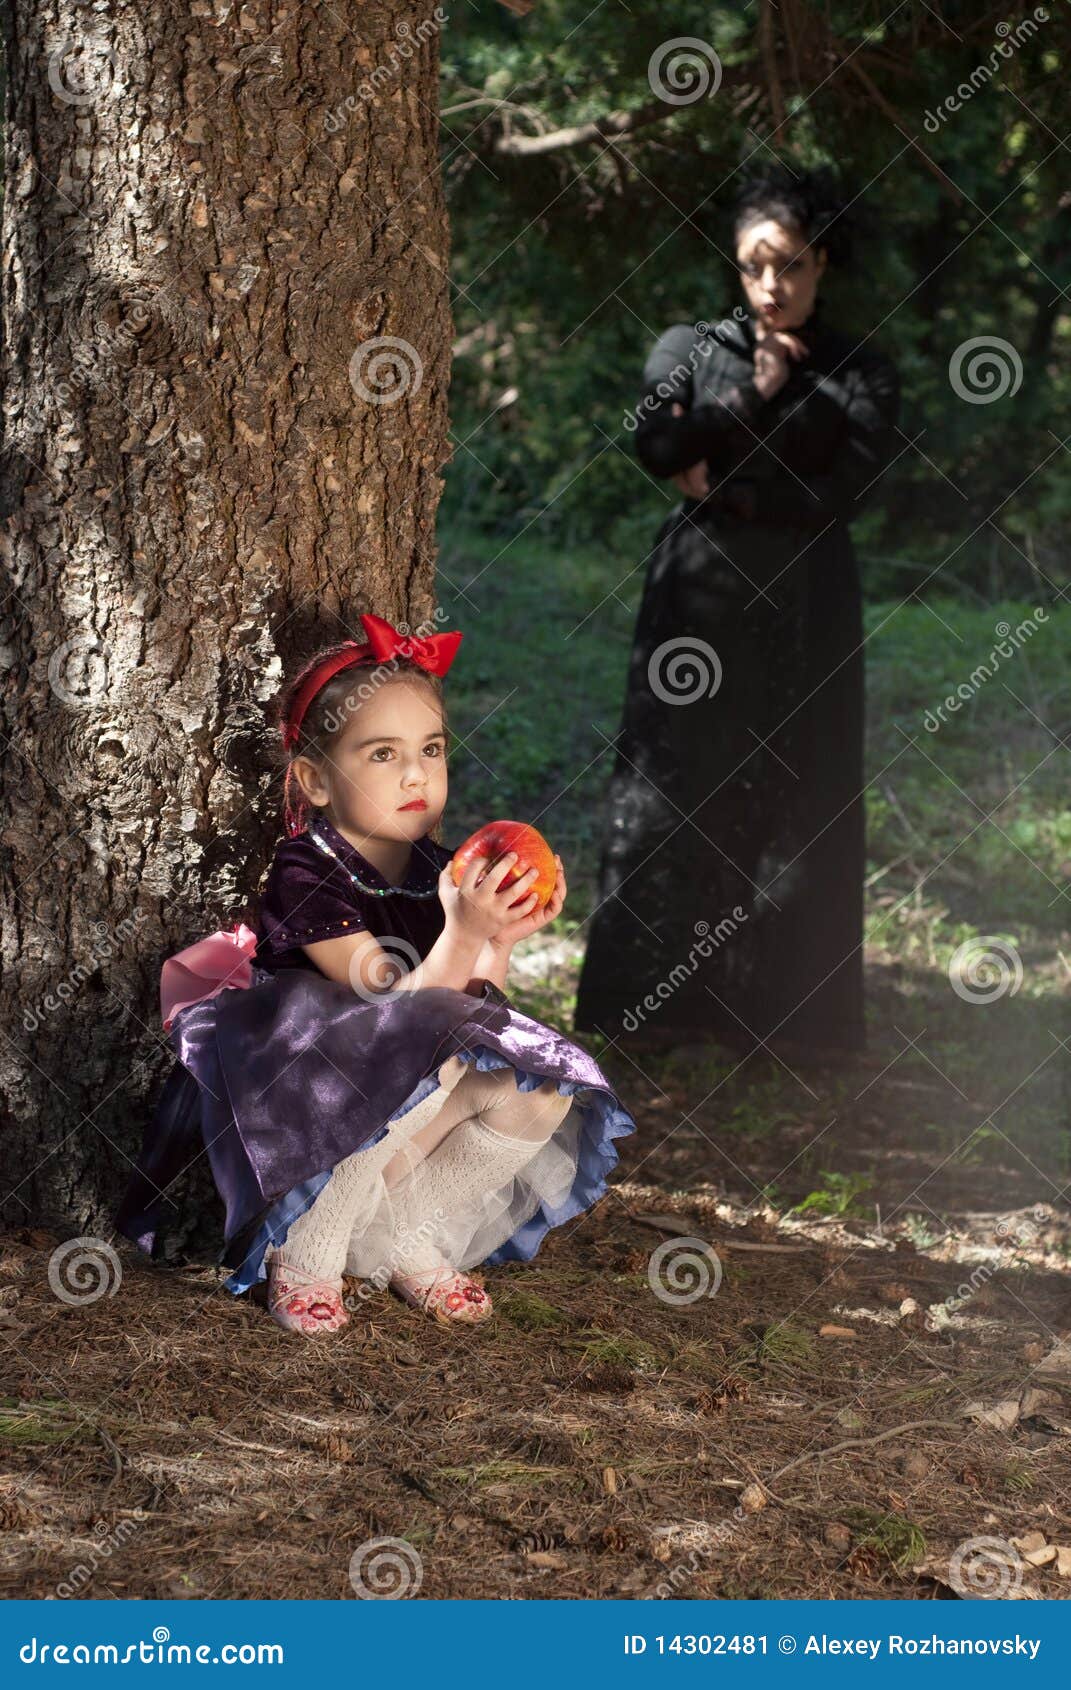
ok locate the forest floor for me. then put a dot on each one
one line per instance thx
(815, 1341)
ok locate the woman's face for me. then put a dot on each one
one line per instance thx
(385, 775)
(780, 273)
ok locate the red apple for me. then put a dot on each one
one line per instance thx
(494, 840)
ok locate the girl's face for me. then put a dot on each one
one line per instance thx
(385, 775)
(780, 273)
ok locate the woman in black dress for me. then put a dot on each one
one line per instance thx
(731, 894)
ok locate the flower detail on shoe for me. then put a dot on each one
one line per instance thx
(444, 1293)
(302, 1303)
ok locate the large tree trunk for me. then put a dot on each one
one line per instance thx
(211, 211)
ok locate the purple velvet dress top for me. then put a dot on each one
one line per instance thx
(280, 1080)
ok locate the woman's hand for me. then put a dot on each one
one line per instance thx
(478, 908)
(773, 349)
(694, 483)
(526, 924)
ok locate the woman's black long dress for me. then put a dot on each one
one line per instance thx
(731, 887)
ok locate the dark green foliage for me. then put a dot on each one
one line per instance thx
(568, 263)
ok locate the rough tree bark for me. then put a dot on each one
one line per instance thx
(214, 215)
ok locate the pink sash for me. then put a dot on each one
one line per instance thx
(203, 969)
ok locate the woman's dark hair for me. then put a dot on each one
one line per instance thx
(330, 710)
(810, 201)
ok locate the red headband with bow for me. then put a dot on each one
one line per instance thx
(433, 652)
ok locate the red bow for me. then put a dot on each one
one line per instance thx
(434, 652)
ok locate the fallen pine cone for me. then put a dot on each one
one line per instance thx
(862, 1562)
(336, 1448)
(538, 1542)
(16, 1515)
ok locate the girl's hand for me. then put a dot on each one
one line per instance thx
(478, 908)
(694, 483)
(526, 924)
(773, 349)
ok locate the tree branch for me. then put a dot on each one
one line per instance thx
(768, 50)
(770, 71)
(608, 128)
(894, 117)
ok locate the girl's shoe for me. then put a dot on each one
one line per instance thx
(449, 1296)
(302, 1303)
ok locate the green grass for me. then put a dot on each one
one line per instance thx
(902, 1542)
(968, 832)
(47, 1422)
(618, 1349)
(537, 697)
(839, 1195)
(997, 755)
(531, 1313)
(782, 1346)
(1018, 1478)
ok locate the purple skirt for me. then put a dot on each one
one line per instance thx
(277, 1082)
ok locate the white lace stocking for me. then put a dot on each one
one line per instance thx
(444, 1173)
(472, 1171)
(317, 1241)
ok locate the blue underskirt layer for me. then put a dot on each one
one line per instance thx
(603, 1122)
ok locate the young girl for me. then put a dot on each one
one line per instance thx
(369, 1100)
